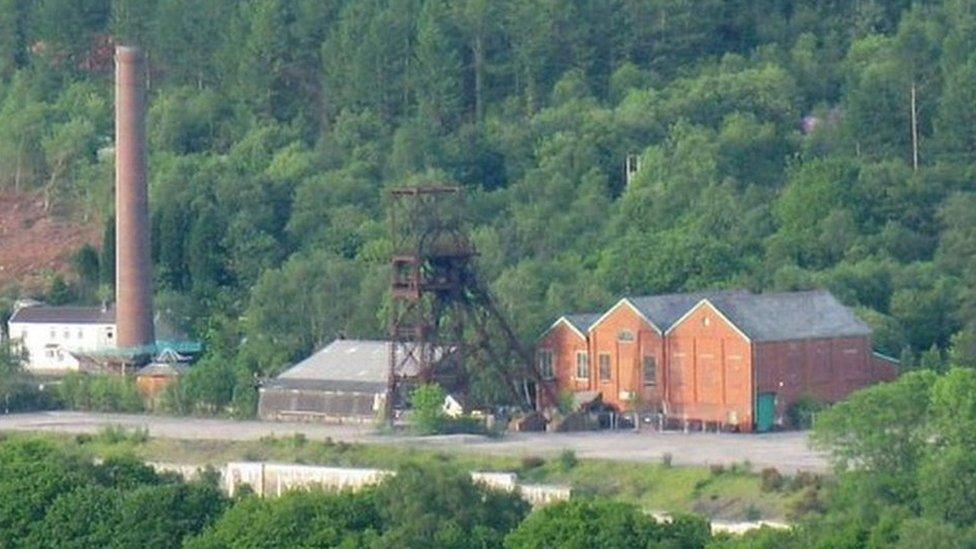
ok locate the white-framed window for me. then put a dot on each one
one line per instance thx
(605, 372)
(66, 334)
(54, 334)
(626, 336)
(582, 365)
(81, 334)
(650, 370)
(545, 364)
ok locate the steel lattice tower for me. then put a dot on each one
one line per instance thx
(444, 325)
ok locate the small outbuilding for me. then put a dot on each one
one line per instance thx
(166, 369)
(346, 381)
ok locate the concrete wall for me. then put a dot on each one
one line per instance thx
(274, 479)
(49, 346)
(709, 370)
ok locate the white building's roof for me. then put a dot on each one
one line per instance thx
(63, 315)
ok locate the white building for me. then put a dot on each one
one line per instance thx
(50, 335)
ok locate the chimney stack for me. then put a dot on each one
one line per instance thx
(133, 268)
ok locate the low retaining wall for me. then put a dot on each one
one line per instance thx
(274, 479)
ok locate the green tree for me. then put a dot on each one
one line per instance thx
(600, 523)
(427, 405)
(438, 506)
(297, 519)
(883, 432)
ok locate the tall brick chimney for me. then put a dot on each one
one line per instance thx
(133, 268)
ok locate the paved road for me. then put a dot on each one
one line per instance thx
(785, 451)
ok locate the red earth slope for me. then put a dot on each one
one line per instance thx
(36, 244)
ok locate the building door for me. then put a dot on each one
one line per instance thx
(765, 411)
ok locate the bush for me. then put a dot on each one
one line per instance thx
(439, 506)
(312, 518)
(532, 462)
(716, 469)
(567, 460)
(427, 403)
(802, 413)
(603, 523)
(565, 402)
(117, 434)
(100, 393)
(805, 479)
(463, 425)
(809, 502)
(666, 459)
(743, 467)
(770, 480)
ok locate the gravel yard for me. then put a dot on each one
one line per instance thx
(786, 451)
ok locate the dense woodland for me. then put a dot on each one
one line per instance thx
(783, 144)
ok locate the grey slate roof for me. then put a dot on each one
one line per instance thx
(44, 314)
(664, 310)
(344, 364)
(582, 321)
(788, 316)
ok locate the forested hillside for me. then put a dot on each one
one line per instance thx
(784, 145)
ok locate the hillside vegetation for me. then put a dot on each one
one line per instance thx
(781, 148)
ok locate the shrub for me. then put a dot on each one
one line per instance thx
(100, 393)
(809, 502)
(744, 467)
(770, 480)
(427, 403)
(752, 513)
(805, 479)
(666, 459)
(463, 425)
(564, 402)
(532, 462)
(567, 460)
(603, 523)
(716, 469)
(117, 434)
(802, 413)
(439, 506)
(301, 518)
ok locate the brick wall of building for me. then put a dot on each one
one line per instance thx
(826, 369)
(709, 370)
(612, 337)
(564, 342)
(706, 368)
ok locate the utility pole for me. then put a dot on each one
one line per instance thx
(914, 128)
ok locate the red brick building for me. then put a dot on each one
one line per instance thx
(735, 359)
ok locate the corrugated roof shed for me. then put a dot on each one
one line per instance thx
(344, 364)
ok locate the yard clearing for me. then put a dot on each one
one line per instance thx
(732, 492)
(788, 452)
